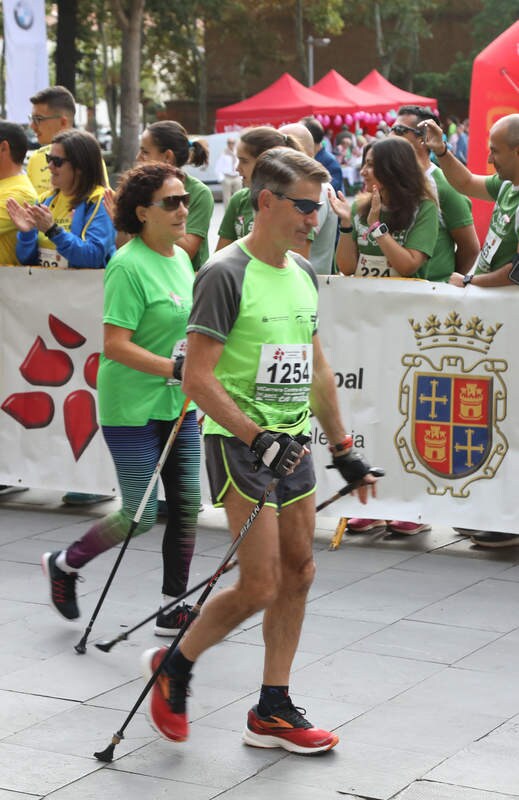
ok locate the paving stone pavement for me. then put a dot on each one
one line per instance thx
(409, 651)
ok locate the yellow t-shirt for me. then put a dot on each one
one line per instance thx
(48, 256)
(38, 170)
(19, 187)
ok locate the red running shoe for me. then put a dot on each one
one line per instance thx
(287, 728)
(167, 698)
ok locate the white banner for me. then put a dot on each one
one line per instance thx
(26, 60)
(425, 375)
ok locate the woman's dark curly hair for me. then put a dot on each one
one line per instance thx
(137, 188)
(396, 168)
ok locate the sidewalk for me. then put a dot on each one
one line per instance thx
(409, 651)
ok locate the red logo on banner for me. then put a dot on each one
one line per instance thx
(43, 366)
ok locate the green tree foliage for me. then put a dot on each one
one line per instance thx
(493, 18)
(399, 26)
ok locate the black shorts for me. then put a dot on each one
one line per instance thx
(229, 462)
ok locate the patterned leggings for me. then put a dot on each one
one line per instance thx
(135, 452)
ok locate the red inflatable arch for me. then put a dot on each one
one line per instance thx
(494, 94)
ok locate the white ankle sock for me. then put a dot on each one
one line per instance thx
(61, 563)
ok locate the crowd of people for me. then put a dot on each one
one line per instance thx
(179, 324)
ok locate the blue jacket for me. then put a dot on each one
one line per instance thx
(90, 243)
(334, 168)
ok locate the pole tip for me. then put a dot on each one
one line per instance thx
(80, 647)
(104, 646)
(106, 755)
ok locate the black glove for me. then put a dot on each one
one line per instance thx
(352, 465)
(278, 451)
(178, 367)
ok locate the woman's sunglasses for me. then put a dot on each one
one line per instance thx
(58, 161)
(172, 202)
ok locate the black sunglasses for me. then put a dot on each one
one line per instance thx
(303, 205)
(401, 130)
(58, 161)
(172, 202)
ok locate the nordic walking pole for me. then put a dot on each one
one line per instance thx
(349, 487)
(80, 647)
(107, 754)
(107, 646)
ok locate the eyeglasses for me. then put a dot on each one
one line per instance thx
(172, 202)
(401, 130)
(37, 119)
(58, 161)
(303, 205)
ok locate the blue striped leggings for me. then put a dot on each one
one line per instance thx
(135, 451)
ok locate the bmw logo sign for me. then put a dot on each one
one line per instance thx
(23, 15)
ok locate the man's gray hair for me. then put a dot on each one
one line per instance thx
(278, 168)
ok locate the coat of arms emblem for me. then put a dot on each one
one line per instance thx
(453, 398)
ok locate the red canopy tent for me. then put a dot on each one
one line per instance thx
(353, 97)
(285, 100)
(494, 94)
(376, 83)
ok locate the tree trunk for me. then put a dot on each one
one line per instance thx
(66, 53)
(130, 16)
(300, 42)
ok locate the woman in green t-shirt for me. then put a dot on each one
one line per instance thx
(239, 215)
(390, 231)
(148, 298)
(167, 140)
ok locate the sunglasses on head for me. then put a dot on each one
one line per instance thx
(172, 202)
(401, 130)
(303, 205)
(58, 161)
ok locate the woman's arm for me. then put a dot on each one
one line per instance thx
(118, 346)
(347, 254)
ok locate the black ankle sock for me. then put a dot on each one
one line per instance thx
(178, 665)
(271, 697)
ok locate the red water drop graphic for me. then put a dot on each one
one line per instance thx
(90, 369)
(79, 411)
(44, 367)
(30, 409)
(64, 334)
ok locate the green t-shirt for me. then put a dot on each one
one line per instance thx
(266, 318)
(151, 295)
(238, 218)
(201, 205)
(420, 235)
(500, 244)
(455, 211)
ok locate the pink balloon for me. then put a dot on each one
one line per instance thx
(337, 120)
(319, 117)
(325, 120)
(348, 119)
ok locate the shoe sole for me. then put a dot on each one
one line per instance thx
(171, 632)
(261, 740)
(44, 561)
(147, 672)
(423, 529)
(494, 545)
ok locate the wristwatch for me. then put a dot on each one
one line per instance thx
(468, 278)
(380, 230)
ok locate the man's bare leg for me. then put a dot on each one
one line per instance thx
(283, 619)
(256, 587)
